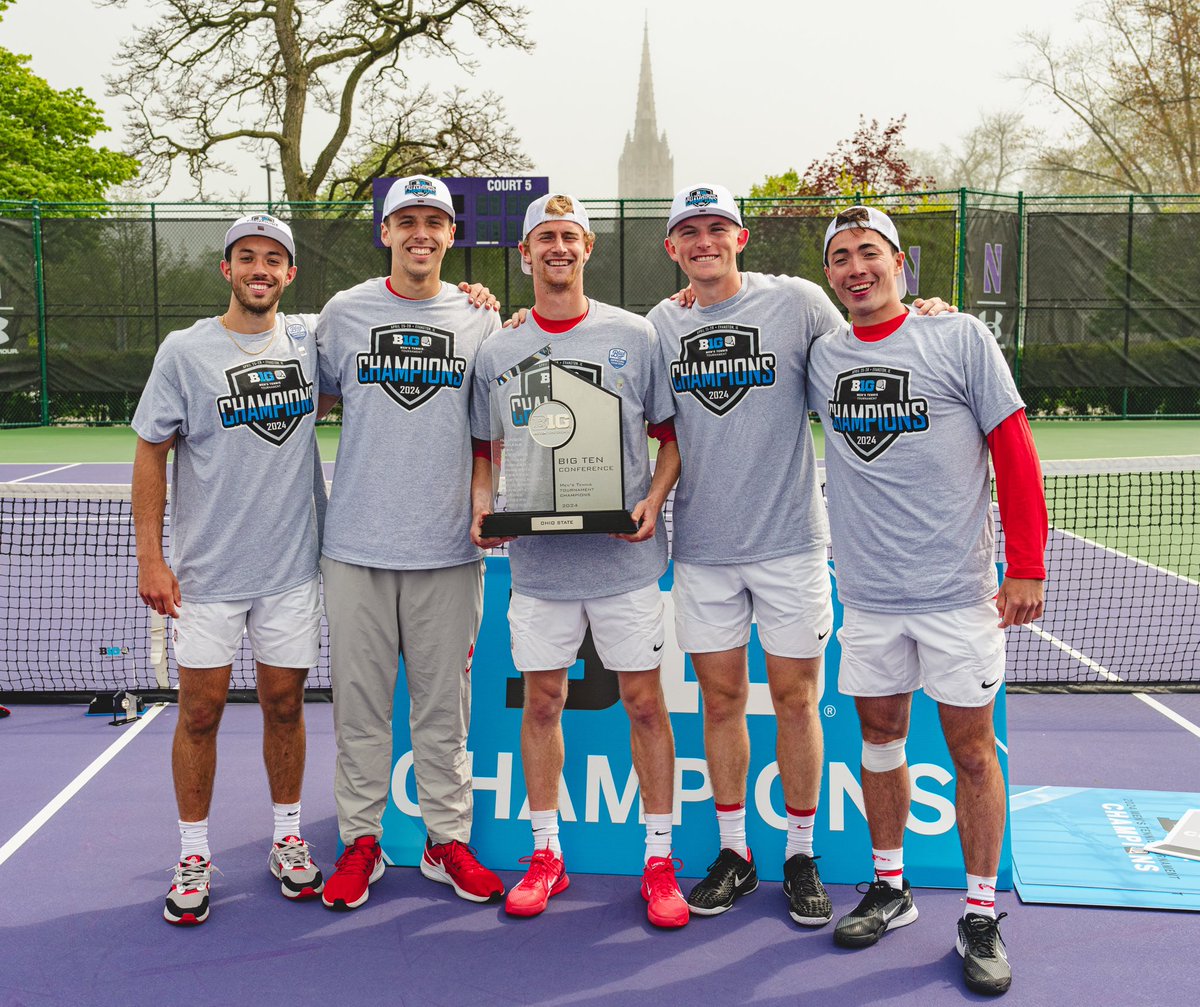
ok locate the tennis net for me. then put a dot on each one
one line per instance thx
(1122, 595)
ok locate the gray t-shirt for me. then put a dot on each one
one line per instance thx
(243, 515)
(906, 419)
(748, 490)
(616, 350)
(402, 485)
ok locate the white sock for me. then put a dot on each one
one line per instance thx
(193, 840)
(800, 825)
(981, 896)
(545, 830)
(889, 866)
(658, 836)
(731, 823)
(287, 821)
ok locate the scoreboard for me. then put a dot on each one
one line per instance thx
(488, 212)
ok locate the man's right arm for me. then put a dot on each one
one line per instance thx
(157, 585)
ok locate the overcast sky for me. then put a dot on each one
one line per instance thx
(742, 89)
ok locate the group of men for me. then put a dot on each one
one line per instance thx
(722, 379)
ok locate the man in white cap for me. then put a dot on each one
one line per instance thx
(402, 577)
(564, 584)
(233, 396)
(912, 407)
(736, 364)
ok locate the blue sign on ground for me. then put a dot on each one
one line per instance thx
(488, 212)
(1082, 846)
(599, 804)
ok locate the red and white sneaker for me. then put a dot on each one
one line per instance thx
(360, 866)
(546, 876)
(187, 900)
(665, 904)
(292, 863)
(455, 864)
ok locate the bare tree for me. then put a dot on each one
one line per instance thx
(1132, 92)
(212, 74)
(992, 157)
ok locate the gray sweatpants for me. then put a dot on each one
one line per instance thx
(431, 618)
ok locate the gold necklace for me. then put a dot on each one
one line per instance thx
(249, 353)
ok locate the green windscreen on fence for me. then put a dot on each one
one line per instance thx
(1095, 302)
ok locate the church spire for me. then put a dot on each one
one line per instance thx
(644, 119)
(645, 169)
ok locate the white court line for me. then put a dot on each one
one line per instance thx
(1103, 672)
(77, 784)
(38, 475)
(1170, 714)
(1124, 555)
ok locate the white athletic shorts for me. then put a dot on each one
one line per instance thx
(284, 629)
(957, 657)
(627, 629)
(789, 597)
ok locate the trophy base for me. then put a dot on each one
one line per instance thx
(601, 522)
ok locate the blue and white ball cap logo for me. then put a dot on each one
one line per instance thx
(261, 224)
(697, 200)
(418, 190)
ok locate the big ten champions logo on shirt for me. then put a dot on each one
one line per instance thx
(719, 364)
(871, 408)
(271, 397)
(411, 362)
(535, 386)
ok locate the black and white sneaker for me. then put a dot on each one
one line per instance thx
(729, 876)
(985, 961)
(882, 908)
(808, 902)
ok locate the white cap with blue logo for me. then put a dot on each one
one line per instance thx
(699, 200)
(418, 190)
(264, 224)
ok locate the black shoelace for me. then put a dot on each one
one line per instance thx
(981, 934)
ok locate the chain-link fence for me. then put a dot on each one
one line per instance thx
(1094, 300)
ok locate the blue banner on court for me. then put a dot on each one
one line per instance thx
(599, 804)
(1086, 847)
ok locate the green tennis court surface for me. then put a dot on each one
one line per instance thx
(1055, 439)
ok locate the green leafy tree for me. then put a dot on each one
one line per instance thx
(45, 139)
(870, 162)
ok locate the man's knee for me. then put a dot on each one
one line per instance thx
(643, 701)
(200, 716)
(545, 697)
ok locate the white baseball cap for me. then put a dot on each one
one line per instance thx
(698, 200)
(536, 214)
(877, 220)
(264, 224)
(418, 190)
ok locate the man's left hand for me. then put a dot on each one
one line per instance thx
(1020, 601)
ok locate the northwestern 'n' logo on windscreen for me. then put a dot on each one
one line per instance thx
(271, 397)
(700, 197)
(719, 364)
(411, 362)
(535, 386)
(871, 407)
